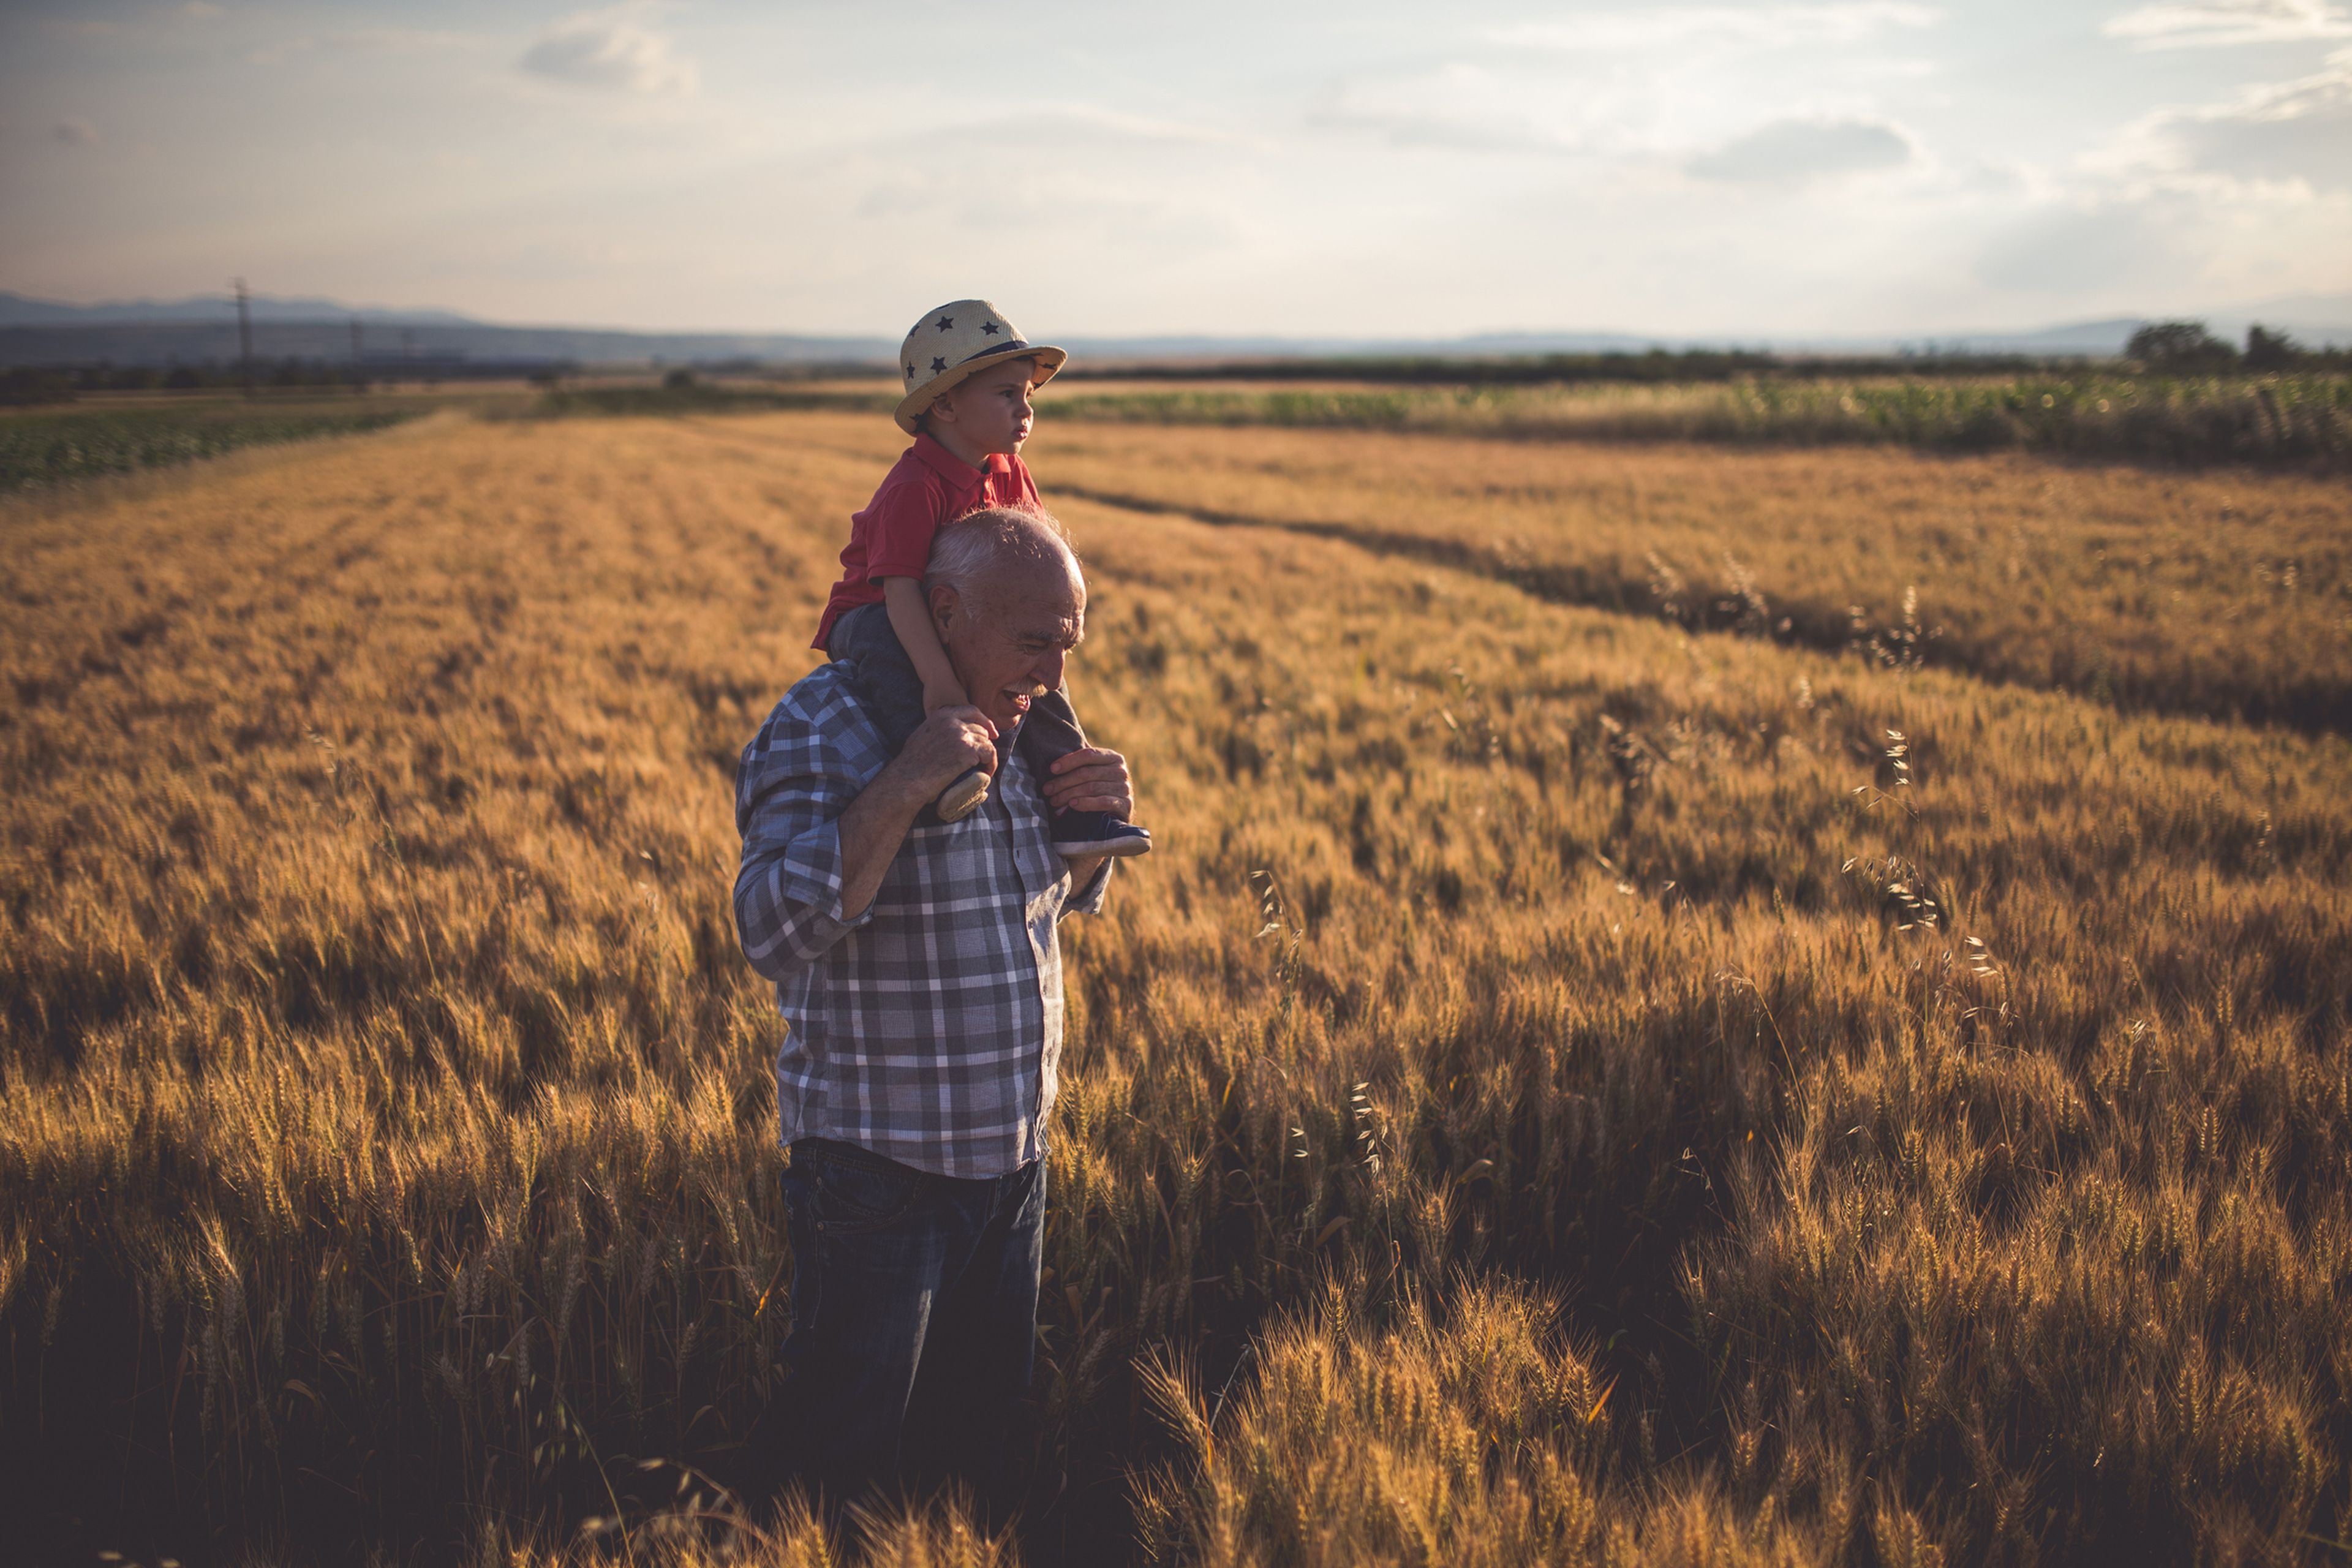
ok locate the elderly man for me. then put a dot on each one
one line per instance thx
(918, 967)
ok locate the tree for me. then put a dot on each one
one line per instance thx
(21, 385)
(2180, 346)
(2267, 350)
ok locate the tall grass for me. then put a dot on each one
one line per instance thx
(1565, 1086)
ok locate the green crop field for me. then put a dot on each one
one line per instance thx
(2302, 418)
(46, 445)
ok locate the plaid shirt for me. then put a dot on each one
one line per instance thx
(929, 1027)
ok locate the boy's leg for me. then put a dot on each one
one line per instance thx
(886, 677)
(1048, 733)
(893, 693)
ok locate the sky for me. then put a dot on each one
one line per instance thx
(1356, 169)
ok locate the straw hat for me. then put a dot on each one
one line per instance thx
(954, 341)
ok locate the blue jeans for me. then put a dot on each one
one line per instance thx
(908, 1289)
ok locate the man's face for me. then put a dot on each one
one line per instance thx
(1009, 641)
(990, 411)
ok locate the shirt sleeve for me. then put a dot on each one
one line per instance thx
(898, 528)
(789, 792)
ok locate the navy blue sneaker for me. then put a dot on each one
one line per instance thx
(1080, 834)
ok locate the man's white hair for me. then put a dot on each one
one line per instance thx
(971, 552)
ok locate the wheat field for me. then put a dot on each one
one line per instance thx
(1593, 1073)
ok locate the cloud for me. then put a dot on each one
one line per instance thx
(1094, 122)
(2086, 249)
(1791, 152)
(367, 40)
(610, 51)
(74, 132)
(1471, 107)
(2217, 23)
(1765, 26)
(1134, 183)
(2291, 134)
(402, 40)
(2293, 131)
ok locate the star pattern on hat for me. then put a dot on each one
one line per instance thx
(938, 365)
(946, 321)
(991, 330)
(911, 372)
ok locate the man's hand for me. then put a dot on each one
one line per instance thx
(937, 696)
(949, 741)
(1091, 779)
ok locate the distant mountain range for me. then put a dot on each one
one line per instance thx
(203, 330)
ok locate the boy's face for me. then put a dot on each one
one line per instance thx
(988, 411)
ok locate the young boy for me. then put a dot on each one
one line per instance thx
(968, 375)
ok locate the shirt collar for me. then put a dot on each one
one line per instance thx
(963, 474)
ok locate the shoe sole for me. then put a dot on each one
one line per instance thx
(1111, 848)
(961, 798)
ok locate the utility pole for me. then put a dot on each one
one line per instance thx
(244, 337)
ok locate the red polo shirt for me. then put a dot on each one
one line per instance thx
(928, 486)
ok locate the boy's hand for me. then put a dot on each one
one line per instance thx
(1091, 779)
(936, 698)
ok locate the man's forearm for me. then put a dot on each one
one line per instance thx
(872, 827)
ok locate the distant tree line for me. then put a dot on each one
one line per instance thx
(22, 385)
(52, 383)
(2175, 347)
(684, 390)
(2187, 348)
(1651, 367)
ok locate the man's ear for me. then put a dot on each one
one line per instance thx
(946, 605)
